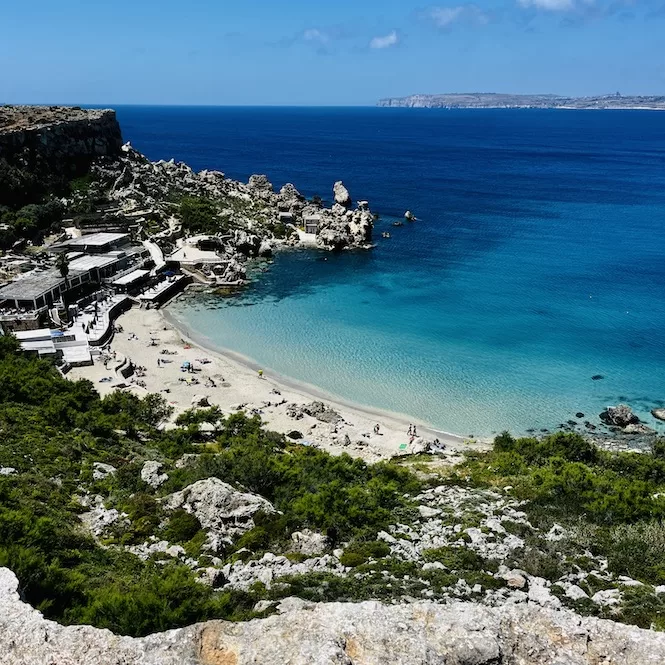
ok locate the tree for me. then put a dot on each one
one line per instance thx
(62, 264)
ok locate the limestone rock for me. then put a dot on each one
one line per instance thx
(99, 518)
(321, 412)
(515, 579)
(341, 194)
(7, 471)
(308, 542)
(260, 182)
(658, 413)
(539, 593)
(316, 410)
(101, 471)
(619, 416)
(607, 597)
(575, 592)
(290, 194)
(150, 474)
(368, 633)
(223, 511)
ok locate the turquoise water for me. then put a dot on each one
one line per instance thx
(537, 264)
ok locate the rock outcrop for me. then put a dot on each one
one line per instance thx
(222, 510)
(341, 194)
(43, 141)
(658, 413)
(150, 474)
(368, 633)
(619, 416)
(136, 185)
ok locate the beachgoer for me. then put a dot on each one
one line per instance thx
(414, 431)
(260, 374)
(376, 428)
(410, 432)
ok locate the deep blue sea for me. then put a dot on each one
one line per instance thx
(538, 260)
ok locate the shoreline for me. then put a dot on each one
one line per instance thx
(307, 389)
(159, 343)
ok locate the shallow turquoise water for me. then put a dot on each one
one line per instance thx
(539, 260)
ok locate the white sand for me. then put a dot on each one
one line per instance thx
(238, 383)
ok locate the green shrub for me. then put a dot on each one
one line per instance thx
(638, 551)
(361, 552)
(181, 527)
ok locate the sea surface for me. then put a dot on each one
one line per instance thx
(537, 261)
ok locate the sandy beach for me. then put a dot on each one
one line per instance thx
(153, 339)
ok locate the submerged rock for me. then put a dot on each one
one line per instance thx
(658, 413)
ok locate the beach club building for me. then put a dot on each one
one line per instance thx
(94, 243)
(34, 290)
(94, 259)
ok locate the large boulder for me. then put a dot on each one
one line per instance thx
(260, 183)
(368, 633)
(341, 194)
(308, 542)
(222, 510)
(289, 193)
(619, 416)
(321, 412)
(658, 413)
(150, 474)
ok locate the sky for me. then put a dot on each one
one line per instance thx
(347, 52)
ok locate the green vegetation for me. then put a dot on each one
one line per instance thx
(52, 432)
(30, 222)
(611, 505)
(200, 215)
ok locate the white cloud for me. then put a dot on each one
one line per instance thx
(549, 5)
(444, 17)
(385, 42)
(315, 35)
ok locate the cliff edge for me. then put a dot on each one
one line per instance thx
(53, 143)
(367, 633)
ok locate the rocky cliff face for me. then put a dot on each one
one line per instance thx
(368, 633)
(57, 140)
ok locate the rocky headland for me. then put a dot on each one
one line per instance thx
(493, 100)
(55, 142)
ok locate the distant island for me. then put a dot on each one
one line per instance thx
(497, 100)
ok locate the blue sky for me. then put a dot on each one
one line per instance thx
(328, 53)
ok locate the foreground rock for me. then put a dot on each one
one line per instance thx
(222, 510)
(366, 633)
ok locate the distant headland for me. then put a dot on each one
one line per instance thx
(497, 100)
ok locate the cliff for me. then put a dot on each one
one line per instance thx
(43, 147)
(368, 633)
(493, 100)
